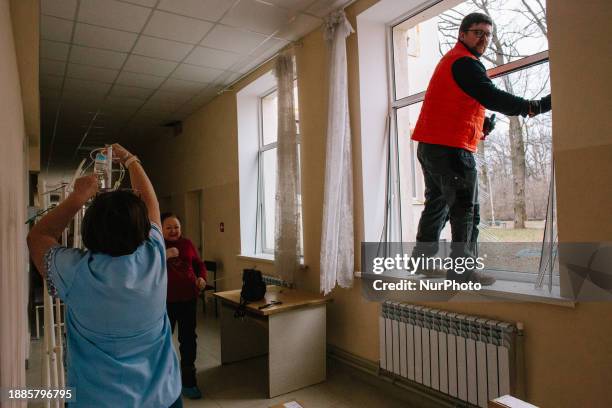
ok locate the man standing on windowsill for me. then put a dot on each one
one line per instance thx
(451, 124)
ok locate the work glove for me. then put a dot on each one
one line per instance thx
(488, 126)
(537, 107)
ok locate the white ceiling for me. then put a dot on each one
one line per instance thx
(114, 67)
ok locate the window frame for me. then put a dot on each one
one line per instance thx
(260, 227)
(396, 104)
(261, 202)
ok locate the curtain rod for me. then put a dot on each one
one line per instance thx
(292, 45)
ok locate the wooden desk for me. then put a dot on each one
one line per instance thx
(292, 334)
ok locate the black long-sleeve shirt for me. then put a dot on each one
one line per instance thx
(471, 76)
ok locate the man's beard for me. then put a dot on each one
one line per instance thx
(472, 50)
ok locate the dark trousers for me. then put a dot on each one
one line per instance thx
(184, 313)
(451, 194)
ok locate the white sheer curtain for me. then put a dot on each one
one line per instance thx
(337, 246)
(286, 250)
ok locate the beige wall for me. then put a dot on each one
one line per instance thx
(568, 350)
(25, 15)
(205, 157)
(580, 79)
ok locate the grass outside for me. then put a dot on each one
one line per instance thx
(521, 252)
(533, 233)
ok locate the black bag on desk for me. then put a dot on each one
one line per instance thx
(253, 286)
(253, 289)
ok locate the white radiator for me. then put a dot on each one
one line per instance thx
(467, 357)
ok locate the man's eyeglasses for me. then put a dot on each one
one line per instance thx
(480, 33)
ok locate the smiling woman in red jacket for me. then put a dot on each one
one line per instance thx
(186, 278)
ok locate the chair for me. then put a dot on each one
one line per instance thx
(211, 268)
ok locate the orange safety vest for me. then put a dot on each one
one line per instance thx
(449, 116)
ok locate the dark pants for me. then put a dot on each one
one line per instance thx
(184, 313)
(451, 194)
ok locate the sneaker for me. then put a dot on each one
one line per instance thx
(192, 392)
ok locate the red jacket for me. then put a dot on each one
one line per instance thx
(182, 271)
(449, 116)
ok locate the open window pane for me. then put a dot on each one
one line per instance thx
(411, 182)
(514, 185)
(515, 170)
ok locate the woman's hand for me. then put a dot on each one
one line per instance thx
(120, 153)
(140, 182)
(172, 253)
(85, 187)
(201, 283)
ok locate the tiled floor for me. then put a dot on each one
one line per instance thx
(244, 384)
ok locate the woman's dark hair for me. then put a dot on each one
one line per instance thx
(167, 215)
(474, 18)
(115, 223)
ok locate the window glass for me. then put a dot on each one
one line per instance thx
(269, 118)
(268, 158)
(268, 171)
(520, 31)
(410, 172)
(296, 107)
(416, 52)
(498, 181)
(500, 170)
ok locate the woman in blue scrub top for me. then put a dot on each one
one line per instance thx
(119, 342)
